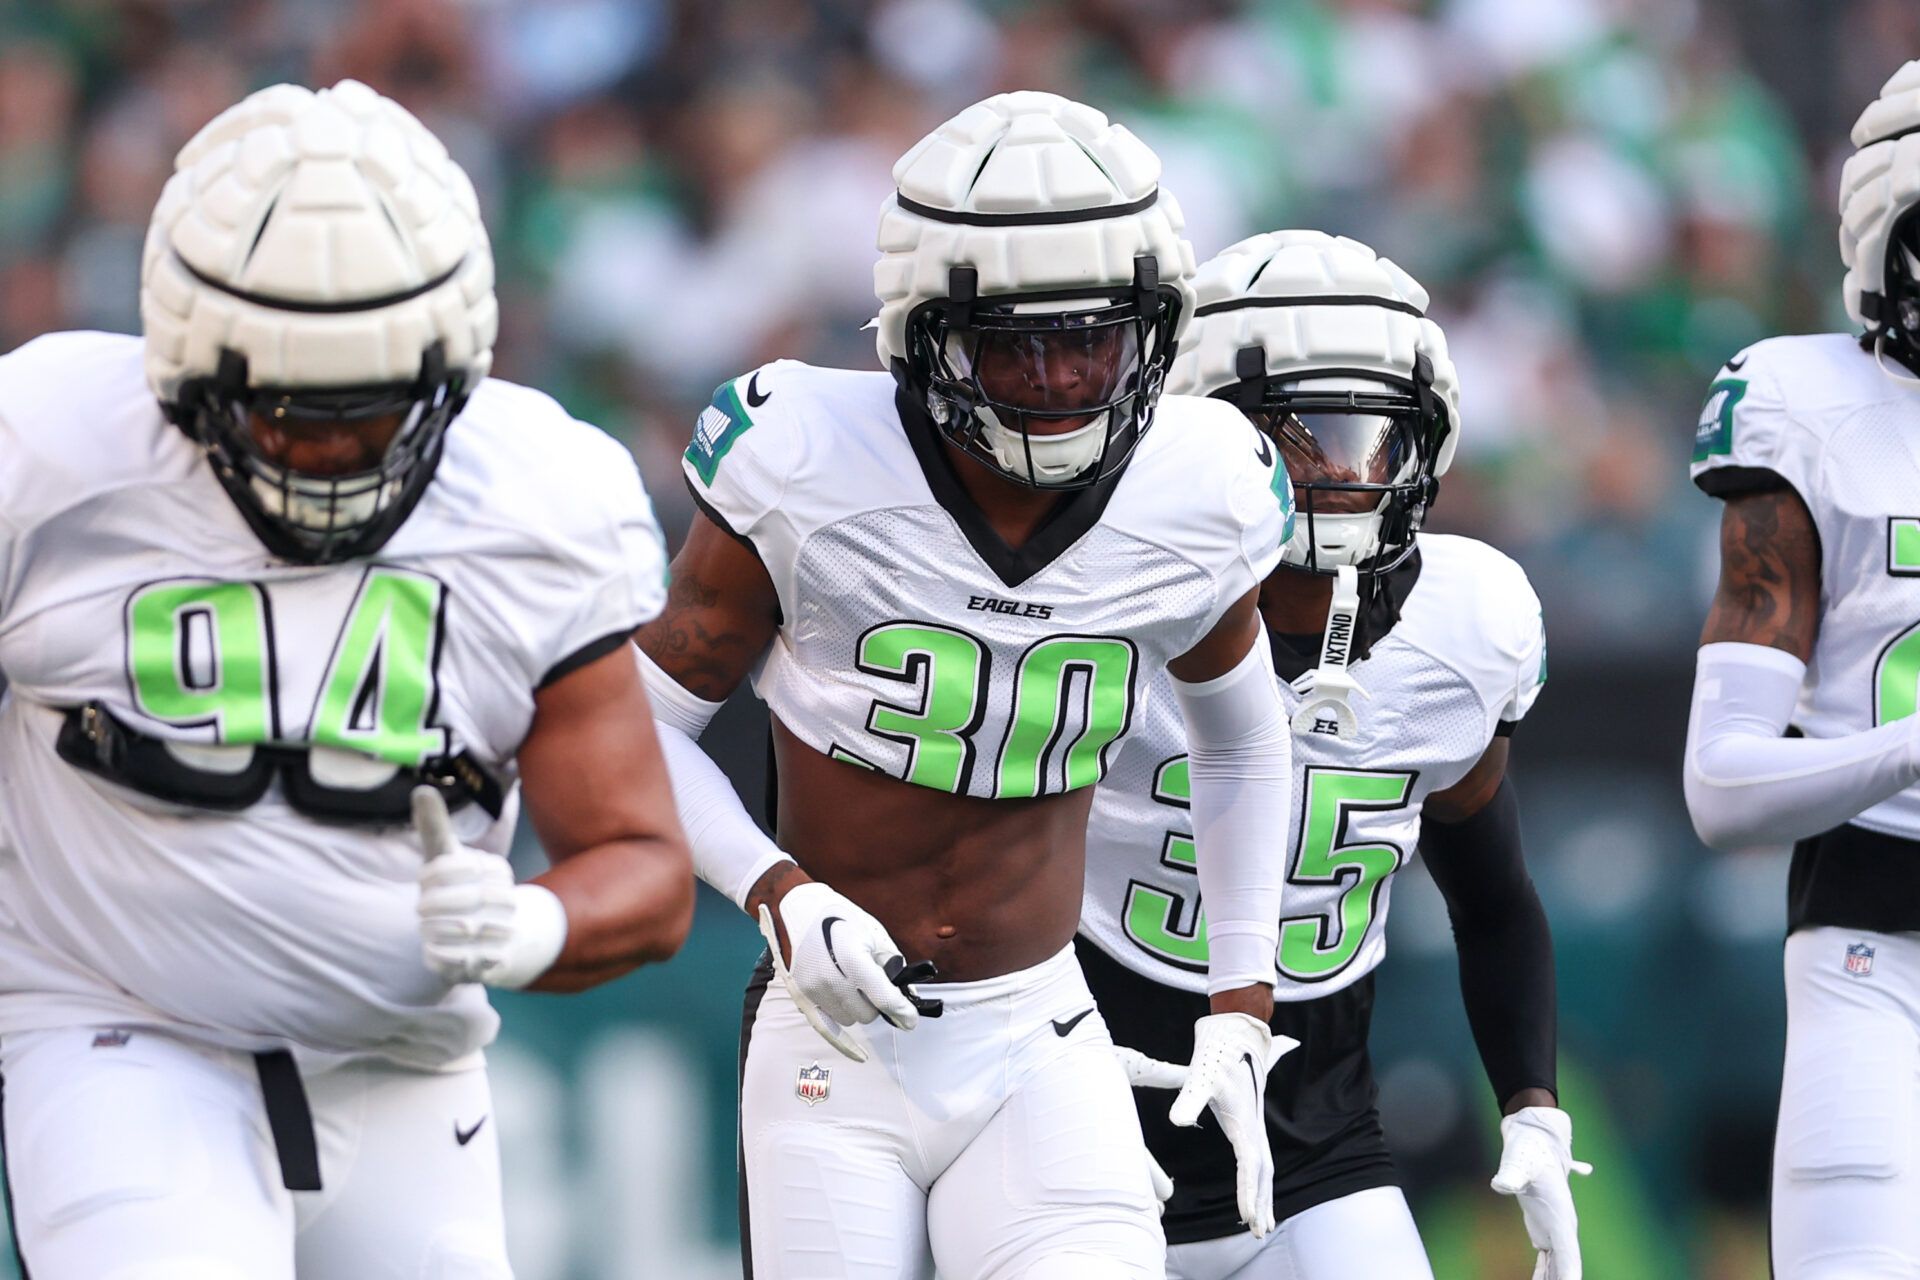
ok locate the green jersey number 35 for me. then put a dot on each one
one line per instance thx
(1314, 947)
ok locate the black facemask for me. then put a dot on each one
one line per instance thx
(1041, 363)
(1350, 452)
(312, 517)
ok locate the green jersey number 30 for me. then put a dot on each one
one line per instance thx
(947, 671)
(200, 653)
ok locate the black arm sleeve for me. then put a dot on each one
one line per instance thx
(1500, 931)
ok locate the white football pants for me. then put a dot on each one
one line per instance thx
(1846, 1195)
(995, 1142)
(134, 1155)
(1368, 1235)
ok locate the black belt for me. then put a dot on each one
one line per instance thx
(94, 739)
(289, 1120)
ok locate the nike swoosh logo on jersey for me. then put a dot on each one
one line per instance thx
(826, 932)
(464, 1136)
(1263, 451)
(755, 396)
(1064, 1028)
(1733, 365)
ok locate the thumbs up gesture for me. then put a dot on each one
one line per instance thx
(476, 924)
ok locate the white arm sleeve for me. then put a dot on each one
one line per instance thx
(1240, 766)
(730, 852)
(1746, 785)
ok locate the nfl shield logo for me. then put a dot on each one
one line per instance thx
(812, 1085)
(1859, 959)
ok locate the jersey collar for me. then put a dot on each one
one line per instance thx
(1072, 516)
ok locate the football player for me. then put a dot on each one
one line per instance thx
(1410, 658)
(1802, 726)
(953, 583)
(282, 579)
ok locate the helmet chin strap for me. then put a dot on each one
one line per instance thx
(1327, 710)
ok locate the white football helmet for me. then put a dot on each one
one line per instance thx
(1879, 230)
(1326, 346)
(316, 271)
(1033, 285)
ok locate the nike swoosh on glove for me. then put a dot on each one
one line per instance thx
(1232, 1054)
(1151, 1073)
(838, 975)
(1535, 1161)
(476, 924)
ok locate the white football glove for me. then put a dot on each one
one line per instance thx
(476, 924)
(1232, 1054)
(1151, 1073)
(1534, 1166)
(839, 977)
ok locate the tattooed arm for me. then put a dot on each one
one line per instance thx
(1769, 590)
(722, 612)
(1748, 785)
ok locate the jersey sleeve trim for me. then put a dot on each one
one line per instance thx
(712, 513)
(592, 651)
(720, 523)
(1733, 482)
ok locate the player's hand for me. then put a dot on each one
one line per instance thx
(1151, 1073)
(841, 966)
(1232, 1054)
(476, 924)
(1535, 1162)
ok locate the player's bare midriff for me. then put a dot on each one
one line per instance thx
(980, 887)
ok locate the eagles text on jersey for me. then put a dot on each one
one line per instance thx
(915, 642)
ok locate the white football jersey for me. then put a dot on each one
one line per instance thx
(1467, 655)
(129, 580)
(913, 641)
(1815, 411)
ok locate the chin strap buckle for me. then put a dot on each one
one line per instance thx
(1328, 710)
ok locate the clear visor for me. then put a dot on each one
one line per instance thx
(1335, 441)
(1052, 371)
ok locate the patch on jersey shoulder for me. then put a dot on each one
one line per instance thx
(1280, 483)
(1713, 436)
(719, 425)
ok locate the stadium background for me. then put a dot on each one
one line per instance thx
(1605, 197)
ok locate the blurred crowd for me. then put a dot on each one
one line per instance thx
(1605, 197)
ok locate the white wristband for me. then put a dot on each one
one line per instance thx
(539, 934)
